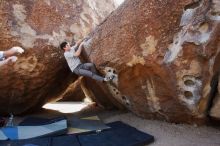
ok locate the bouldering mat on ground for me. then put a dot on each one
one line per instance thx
(67, 140)
(51, 128)
(85, 124)
(37, 121)
(120, 134)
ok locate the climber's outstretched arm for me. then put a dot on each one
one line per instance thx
(79, 50)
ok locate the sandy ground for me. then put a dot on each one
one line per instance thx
(166, 134)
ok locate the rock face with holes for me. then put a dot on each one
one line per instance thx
(41, 74)
(163, 59)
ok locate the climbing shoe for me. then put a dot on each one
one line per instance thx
(109, 78)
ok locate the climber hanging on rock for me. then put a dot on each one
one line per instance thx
(9, 55)
(72, 53)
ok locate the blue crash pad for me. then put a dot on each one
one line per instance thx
(37, 121)
(120, 134)
(11, 132)
(67, 140)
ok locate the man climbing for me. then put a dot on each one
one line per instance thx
(9, 55)
(84, 69)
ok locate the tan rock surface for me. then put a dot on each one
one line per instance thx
(163, 53)
(41, 74)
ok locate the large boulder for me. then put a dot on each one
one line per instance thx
(41, 74)
(162, 54)
(214, 105)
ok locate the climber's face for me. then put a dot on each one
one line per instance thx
(67, 48)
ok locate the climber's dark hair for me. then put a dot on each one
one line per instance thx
(63, 45)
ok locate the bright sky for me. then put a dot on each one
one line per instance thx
(118, 2)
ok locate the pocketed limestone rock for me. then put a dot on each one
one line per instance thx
(163, 53)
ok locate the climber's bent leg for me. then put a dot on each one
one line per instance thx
(89, 66)
(80, 70)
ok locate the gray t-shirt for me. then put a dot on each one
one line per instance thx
(73, 61)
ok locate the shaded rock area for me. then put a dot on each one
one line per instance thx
(215, 111)
(163, 53)
(215, 102)
(74, 92)
(215, 99)
(41, 74)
